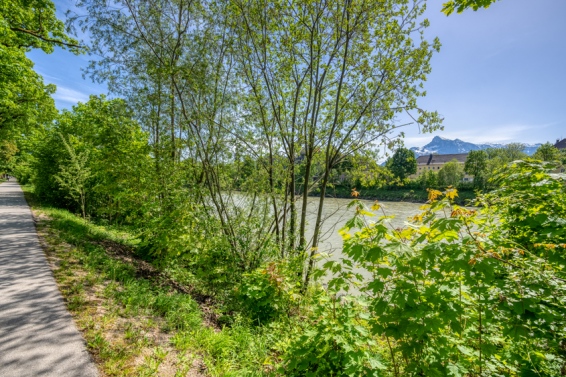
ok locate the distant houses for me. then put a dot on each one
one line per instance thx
(435, 162)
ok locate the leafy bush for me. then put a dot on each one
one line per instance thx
(268, 292)
(462, 292)
(531, 203)
(335, 340)
(118, 159)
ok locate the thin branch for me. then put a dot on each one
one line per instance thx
(43, 38)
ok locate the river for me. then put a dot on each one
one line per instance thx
(336, 214)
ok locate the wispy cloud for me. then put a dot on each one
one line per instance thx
(419, 141)
(69, 95)
(50, 78)
(497, 133)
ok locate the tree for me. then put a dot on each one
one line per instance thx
(8, 150)
(451, 174)
(99, 136)
(547, 152)
(514, 151)
(403, 163)
(499, 158)
(428, 179)
(367, 173)
(476, 165)
(296, 86)
(27, 24)
(74, 175)
(326, 79)
(461, 5)
(24, 99)
(24, 25)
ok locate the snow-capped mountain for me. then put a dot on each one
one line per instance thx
(441, 145)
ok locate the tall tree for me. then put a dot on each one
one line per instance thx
(171, 60)
(451, 174)
(8, 150)
(547, 152)
(101, 157)
(403, 163)
(33, 24)
(24, 25)
(74, 175)
(476, 165)
(312, 82)
(328, 78)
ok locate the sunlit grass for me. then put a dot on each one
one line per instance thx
(130, 307)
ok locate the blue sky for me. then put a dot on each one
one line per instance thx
(500, 75)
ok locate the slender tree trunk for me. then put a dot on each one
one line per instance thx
(172, 119)
(293, 204)
(305, 193)
(317, 228)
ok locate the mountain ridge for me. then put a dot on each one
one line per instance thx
(442, 145)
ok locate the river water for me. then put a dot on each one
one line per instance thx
(336, 213)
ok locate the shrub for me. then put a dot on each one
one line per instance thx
(267, 293)
(335, 340)
(462, 292)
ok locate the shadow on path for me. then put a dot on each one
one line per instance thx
(37, 334)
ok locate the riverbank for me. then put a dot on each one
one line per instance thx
(394, 195)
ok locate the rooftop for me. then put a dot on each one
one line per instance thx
(441, 158)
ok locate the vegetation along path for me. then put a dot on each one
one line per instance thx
(37, 334)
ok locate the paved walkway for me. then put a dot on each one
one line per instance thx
(37, 335)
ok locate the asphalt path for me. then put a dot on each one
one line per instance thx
(37, 334)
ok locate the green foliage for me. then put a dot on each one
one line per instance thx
(476, 165)
(74, 174)
(463, 293)
(547, 152)
(361, 171)
(461, 5)
(267, 293)
(530, 203)
(500, 157)
(26, 24)
(428, 179)
(403, 163)
(335, 340)
(8, 150)
(25, 101)
(450, 174)
(118, 158)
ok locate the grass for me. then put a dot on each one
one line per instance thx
(136, 321)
